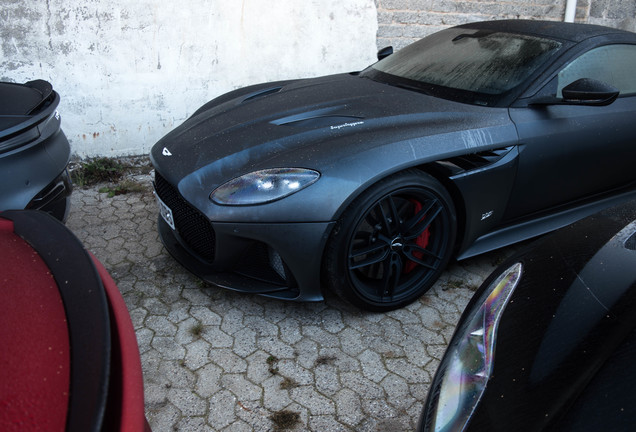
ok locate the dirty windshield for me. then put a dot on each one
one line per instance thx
(471, 60)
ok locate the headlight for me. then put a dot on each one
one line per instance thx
(260, 187)
(468, 362)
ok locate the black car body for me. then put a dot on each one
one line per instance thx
(369, 183)
(34, 152)
(548, 342)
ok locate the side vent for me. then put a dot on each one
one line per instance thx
(469, 162)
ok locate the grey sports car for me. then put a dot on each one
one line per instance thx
(368, 183)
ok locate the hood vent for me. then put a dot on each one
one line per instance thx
(320, 121)
(262, 93)
(317, 118)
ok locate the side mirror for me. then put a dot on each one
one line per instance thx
(385, 52)
(586, 91)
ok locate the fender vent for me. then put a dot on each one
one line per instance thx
(469, 162)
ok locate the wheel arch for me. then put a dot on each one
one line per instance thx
(435, 169)
(461, 177)
(333, 273)
(442, 175)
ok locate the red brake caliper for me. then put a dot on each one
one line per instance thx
(421, 240)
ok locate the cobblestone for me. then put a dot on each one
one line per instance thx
(216, 360)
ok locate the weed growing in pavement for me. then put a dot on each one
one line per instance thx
(124, 187)
(97, 170)
(288, 383)
(454, 283)
(196, 330)
(271, 362)
(108, 170)
(284, 420)
(473, 287)
(325, 360)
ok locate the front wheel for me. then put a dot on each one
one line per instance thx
(392, 243)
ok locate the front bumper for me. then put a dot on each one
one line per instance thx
(280, 260)
(275, 260)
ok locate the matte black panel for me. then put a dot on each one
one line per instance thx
(562, 337)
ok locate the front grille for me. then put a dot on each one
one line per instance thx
(193, 227)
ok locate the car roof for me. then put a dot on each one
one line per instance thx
(573, 32)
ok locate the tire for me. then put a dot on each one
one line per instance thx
(392, 243)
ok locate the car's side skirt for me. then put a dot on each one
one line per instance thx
(528, 229)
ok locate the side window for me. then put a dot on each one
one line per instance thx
(612, 64)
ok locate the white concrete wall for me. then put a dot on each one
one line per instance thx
(129, 71)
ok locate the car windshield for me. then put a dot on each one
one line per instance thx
(467, 60)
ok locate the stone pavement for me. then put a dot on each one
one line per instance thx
(215, 360)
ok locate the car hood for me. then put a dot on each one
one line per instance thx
(573, 306)
(245, 129)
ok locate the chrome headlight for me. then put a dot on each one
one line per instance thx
(468, 362)
(260, 187)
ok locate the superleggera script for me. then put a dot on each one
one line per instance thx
(347, 125)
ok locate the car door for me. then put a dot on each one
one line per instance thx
(568, 151)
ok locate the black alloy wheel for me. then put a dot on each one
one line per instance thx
(392, 243)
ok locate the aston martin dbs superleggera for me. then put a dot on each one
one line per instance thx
(368, 183)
